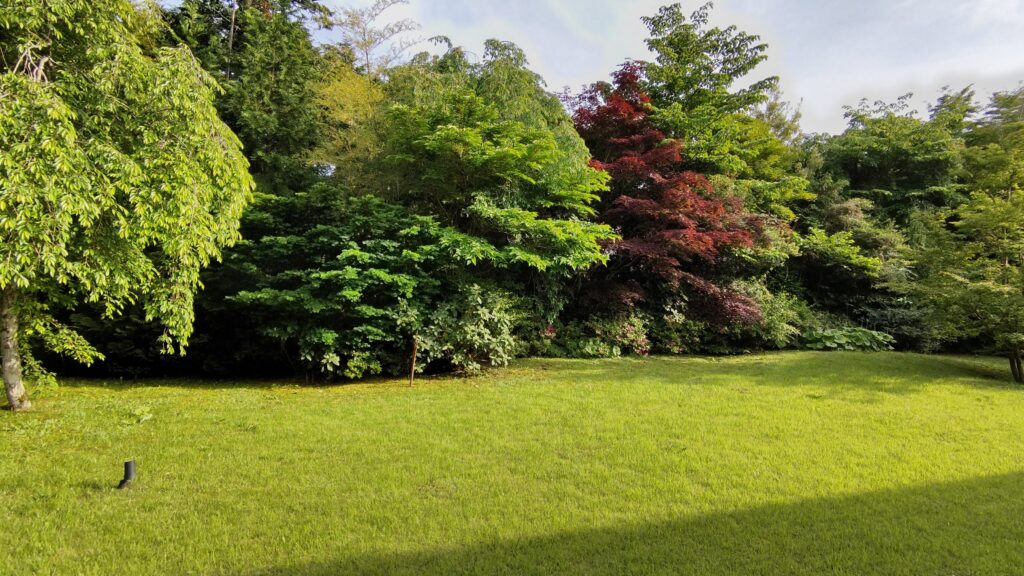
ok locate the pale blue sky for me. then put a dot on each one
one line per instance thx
(827, 52)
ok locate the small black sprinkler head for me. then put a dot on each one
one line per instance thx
(129, 474)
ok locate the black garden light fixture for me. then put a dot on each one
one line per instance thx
(129, 474)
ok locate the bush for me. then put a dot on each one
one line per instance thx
(782, 317)
(847, 339)
(577, 340)
(604, 337)
(628, 333)
(674, 333)
(472, 330)
(901, 317)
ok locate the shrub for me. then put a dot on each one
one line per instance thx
(577, 340)
(472, 330)
(847, 339)
(604, 337)
(674, 333)
(627, 332)
(782, 317)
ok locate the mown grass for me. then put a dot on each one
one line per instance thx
(794, 463)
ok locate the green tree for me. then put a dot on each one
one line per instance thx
(868, 182)
(487, 152)
(782, 118)
(995, 153)
(118, 180)
(898, 161)
(969, 259)
(352, 107)
(692, 84)
(969, 272)
(338, 284)
(377, 47)
(262, 54)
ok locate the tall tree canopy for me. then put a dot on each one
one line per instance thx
(117, 178)
(676, 233)
(968, 260)
(262, 55)
(692, 84)
(485, 150)
(898, 161)
(376, 46)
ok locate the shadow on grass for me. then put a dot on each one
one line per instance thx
(976, 367)
(884, 372)
(974, 527)
(225, 383)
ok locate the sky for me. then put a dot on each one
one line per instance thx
(827, 53)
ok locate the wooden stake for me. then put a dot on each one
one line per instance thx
(412, 362)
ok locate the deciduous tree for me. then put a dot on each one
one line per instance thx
(692, 84)
(377, 46)
(676, 232)
(117, 179)
(968, 261)
(508, 174)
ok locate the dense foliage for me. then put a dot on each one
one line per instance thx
(678, 240)
(446, 212)
(118, 181)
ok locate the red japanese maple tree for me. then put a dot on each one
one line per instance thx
(675, 232)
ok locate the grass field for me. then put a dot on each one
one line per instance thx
(794, 463)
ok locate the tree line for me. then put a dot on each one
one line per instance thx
(208, 175)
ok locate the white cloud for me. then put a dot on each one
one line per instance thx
(982, 13)
(827, 52)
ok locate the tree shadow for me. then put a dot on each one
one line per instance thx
(840, 370)
(212, 383)
(883, 372)
(973, 527)
(976, 367)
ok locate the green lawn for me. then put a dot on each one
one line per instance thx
(795, 463)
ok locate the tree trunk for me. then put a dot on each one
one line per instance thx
(1016, 366)
(17, 398)
(231, 31)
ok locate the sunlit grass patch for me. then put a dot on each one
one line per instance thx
(771, 464)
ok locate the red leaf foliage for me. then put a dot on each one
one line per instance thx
(675, 230)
